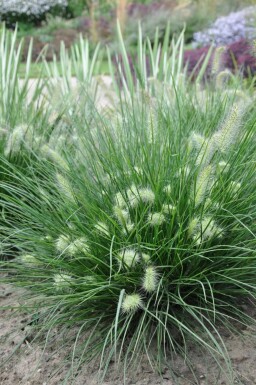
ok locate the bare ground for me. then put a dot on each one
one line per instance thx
(25, 362)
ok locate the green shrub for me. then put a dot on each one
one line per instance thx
(76, 7)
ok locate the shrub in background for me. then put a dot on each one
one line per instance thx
(76, 7)
(237, 57)
(229, 29)
(12, 11)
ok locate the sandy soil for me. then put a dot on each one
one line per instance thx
(25, 362)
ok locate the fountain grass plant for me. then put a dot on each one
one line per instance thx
(142, 234)
(134, 225)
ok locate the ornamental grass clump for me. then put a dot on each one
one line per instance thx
(146, 261)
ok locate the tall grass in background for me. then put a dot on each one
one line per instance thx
(35, 113)
(73, 77)
(21, 121)
(30, 109)
(12, 92)
(155, 64)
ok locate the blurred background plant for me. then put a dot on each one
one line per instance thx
(13, 11)
(229, 29)
(95, 19)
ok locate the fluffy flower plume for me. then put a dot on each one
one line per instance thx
(235, 187)
(29, 260)
(146, 195)
(122, 215)
(137, 195)
(228, 134)
(79, 245)
(218, 60)
(21, 135)
(208, 229)
(168, 208)
(120, 201)
(193, 226)
(196, 141)
(54, 156)
(203, 184)
(168, 189)
(206, 153)
(145, 258)
(102, 228)
(222, 78)
(62, 282)
(62, 243)
(133, 196)
(184, 171)
(150, 279)
(152, 125)
(223, 166)
(128, 228)
(89, 279)
(138, 170)
(156, 219)
(131, 303)
(65, 187)
(127, 258)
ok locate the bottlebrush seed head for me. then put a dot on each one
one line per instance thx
(29, 260)
(62, 243)
(203, 184)
(102, 228)
(65, 187)
(235, 187)
(129, 227)
(218, 60)
(222, 78)
(167, 189)
(15, 140)
(133, 196)
(127, 258)
(184, 172)
(131, 303)
(62, 282)
(146, 195)
(156, 219)
(120, 201)
(228, 134)
(168, 208)
(196, 141)
(122, 215)
(150, 279)
(79, 245)
(54, 156)
(223, 166)
(145, 258)
(193, 226)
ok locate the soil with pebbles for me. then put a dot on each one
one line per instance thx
(24, 361)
